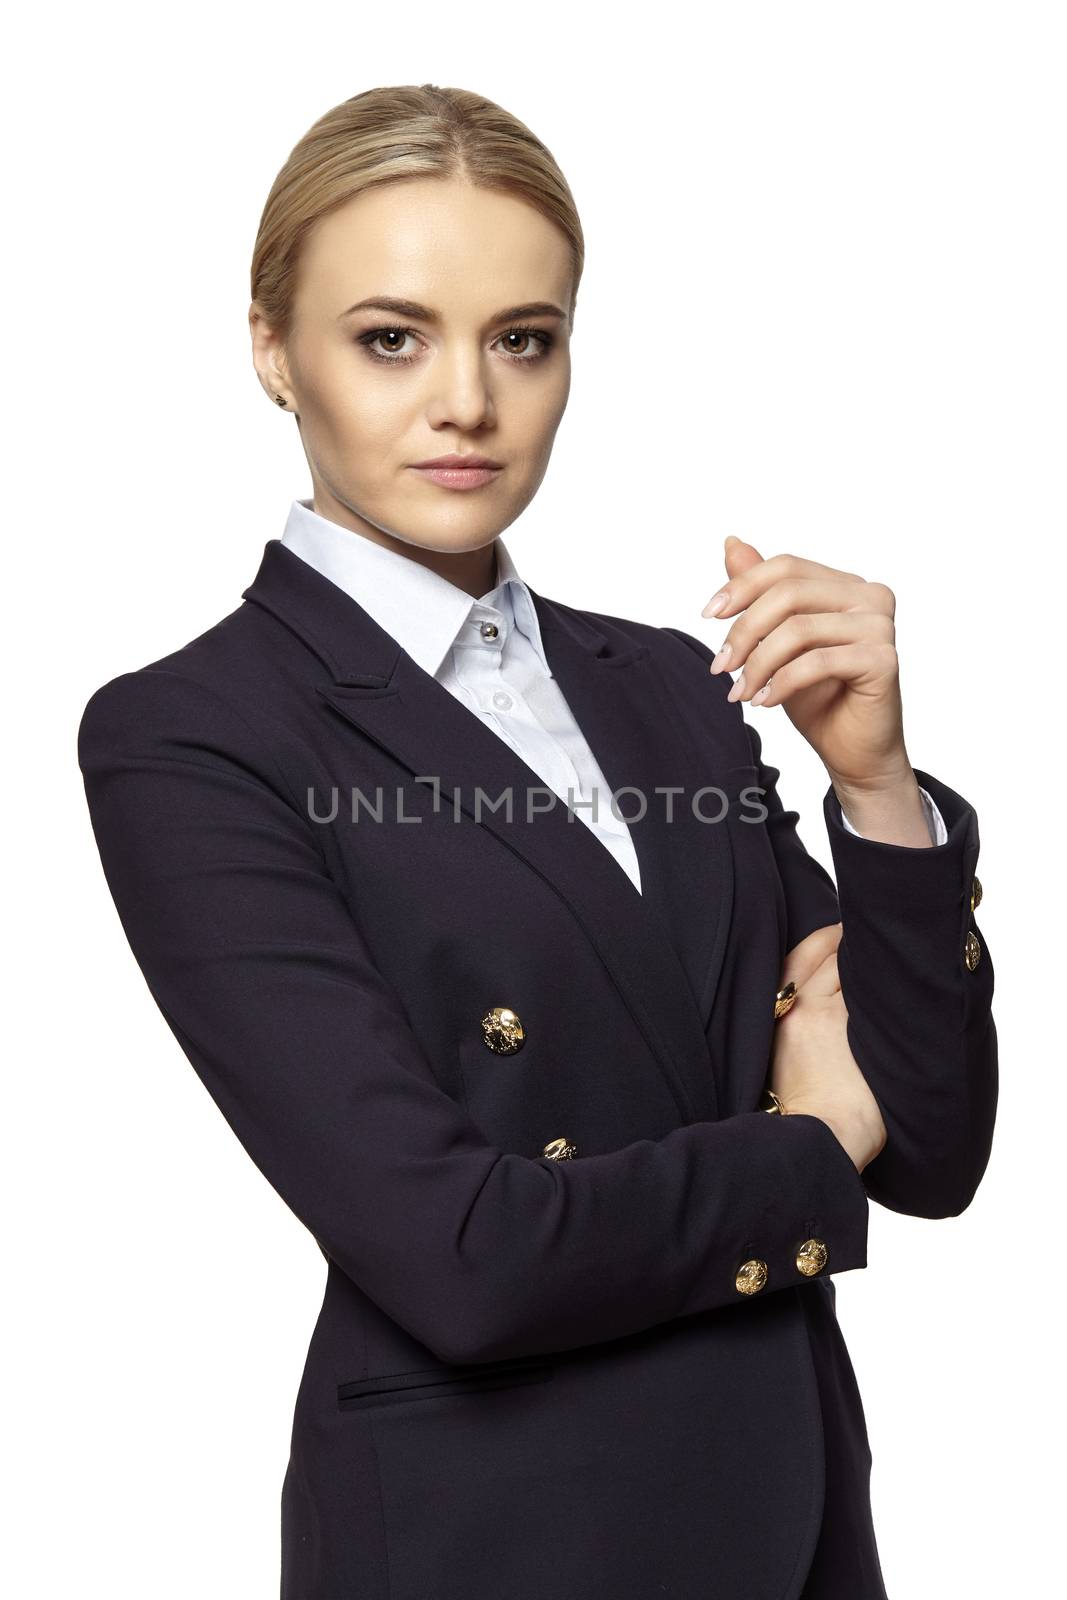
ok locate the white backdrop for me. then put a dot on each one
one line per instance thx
(820, 311)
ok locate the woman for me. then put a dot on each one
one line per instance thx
(578, 1331)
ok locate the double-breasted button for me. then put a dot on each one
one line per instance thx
(751, 1276)
(559, 1150)
(811, 1257)
(976, 893)
(503, 1031)
(972, 952)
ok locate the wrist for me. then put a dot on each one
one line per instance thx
(892, 813)
(858, 1134)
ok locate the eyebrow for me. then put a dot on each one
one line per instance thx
(412, 308)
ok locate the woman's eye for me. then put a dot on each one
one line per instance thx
(524, 346)
(534, 343)
(393, 340)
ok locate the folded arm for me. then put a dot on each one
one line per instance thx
(917, 982)
(255, 957)
(920, 1021)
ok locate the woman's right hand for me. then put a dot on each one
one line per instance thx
(813, 1071)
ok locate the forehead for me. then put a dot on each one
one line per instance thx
(443, 242)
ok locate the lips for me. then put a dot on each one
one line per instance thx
(467, 463)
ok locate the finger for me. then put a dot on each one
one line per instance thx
(866, 666)
(799, 634)
(800, 596)
(824, 980)
(807, 956)
(744, 587)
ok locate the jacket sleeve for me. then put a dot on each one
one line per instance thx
(255, 957)
(917, 981)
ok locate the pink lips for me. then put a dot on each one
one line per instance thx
(459, 471)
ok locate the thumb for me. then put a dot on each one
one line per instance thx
(738, 555)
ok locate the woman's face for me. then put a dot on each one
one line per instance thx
(476, 361)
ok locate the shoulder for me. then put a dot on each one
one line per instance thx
(672, 648)
(665, 642)
(200, 696)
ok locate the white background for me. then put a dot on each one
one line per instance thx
(823, 309)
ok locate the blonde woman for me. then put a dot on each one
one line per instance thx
(583, 1107)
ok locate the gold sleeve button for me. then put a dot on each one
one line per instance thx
(811, 1257)
(751, 1277)
(976, 893)
(502, 1030)
(559, 1150)
(972, 952)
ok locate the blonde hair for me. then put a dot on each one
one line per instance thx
(387, 135)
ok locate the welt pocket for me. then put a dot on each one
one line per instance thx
(435, 1383)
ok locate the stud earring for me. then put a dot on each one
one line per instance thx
(279, 400)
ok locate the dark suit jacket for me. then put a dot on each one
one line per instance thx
(536, 1375)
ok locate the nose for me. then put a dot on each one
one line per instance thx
(461, 396)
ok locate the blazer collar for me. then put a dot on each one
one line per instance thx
(663, 947)
(419, 607)
(353, 645)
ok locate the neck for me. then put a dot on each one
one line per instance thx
(474, 571)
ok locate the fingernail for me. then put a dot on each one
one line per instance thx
(760, 695)
(738, 687)
(715, 604)
(722, 658)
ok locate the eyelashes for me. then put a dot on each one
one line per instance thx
(542, 340)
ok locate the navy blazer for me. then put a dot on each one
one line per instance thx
(534, 1369)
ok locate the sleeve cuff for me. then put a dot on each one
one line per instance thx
(874, 877)
(934, 820)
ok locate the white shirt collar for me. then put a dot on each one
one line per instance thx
(423, 612)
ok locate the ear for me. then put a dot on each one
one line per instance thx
(268, 358)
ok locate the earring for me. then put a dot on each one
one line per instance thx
(279, 400)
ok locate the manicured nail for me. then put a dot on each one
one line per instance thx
(760, 695)
(722, 658)
(738, 688)
(715, 604)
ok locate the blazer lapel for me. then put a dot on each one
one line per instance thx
(662, 947)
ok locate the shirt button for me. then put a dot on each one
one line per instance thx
(501, 699)
(489, 630)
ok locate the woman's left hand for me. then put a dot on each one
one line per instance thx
(820, 642)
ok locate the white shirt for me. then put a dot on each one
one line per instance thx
(488, 654)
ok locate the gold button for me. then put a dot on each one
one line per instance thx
(559, 1150)
(972, 952)
(976, 893)
(811, 1257)
(751, 1277)
(502, 1030)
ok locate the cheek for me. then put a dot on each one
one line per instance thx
(535, 412)
(359, 414)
